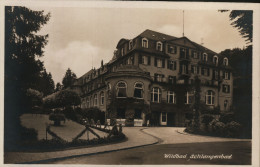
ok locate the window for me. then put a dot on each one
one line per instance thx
(172, 49)
(188, 97)
(205, 57)
(215, 60)
(210, 97)
(171, 65)
(102, 98)
(138, 92)
(159, 62)
(184, 53)
(145, 43)
(159, 46)
(171, 97)
(122, 51)
(225, 61)
(156, 95)
(158, 77)
(183, 69)
(144, 60)
(131, 44)
(164, 117)
(121, 89)
(130, 60)
(88, 105)
(226, 88)
(226, 75)
(194, 69)
(194, 54)
(172, 79)
(215, 74)
(95, 100)
(205, 71)
(90, 101)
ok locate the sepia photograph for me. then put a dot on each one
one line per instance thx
(128, 83)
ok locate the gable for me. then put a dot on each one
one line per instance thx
(183, 42)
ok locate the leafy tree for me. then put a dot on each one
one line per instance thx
(34, 98)
(58, 87)
(243, 21)
(23, 47)
(67, 98)
(68, 78)
(241, 62)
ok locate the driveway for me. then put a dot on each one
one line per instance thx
(176, 135)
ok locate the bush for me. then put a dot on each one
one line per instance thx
(57, 118)
(233, 129)
(217, 128)
(206, 119)
(226, 117)
(28, 134)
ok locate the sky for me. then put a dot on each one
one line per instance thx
(79, 38)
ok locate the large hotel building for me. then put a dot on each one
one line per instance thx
(150, 81)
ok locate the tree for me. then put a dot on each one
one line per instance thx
(67, 98)
(23, 47)
(68, 78)
(241, 63)
(46, 83)
(243, 21)
(34, 98)
(58, 87)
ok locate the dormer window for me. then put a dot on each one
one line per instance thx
(131, 44)
(205, 57)
(215, 60)
(145, 43)
(225, 61)
(159, 46)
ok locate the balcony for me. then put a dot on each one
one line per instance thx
(184, 58)
(210, 83)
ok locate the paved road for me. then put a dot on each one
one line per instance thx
(178, 147)
(135, 138)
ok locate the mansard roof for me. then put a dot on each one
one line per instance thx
(157, 36)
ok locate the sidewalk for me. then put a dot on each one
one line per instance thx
(135, 137)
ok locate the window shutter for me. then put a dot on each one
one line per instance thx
(168, 64)
(198, 68)
(223, 86)
(140, 59)
(163, 63)
(180, 68)
(228, 75)
(174, 65)
(208, 72)
(149, 60)
(155, 62)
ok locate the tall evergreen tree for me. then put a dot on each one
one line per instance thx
(22, 68)
(68, 78)
(243, 21)
(58, 87)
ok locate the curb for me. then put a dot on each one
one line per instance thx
(96, 153)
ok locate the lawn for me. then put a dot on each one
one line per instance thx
(66, 131)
